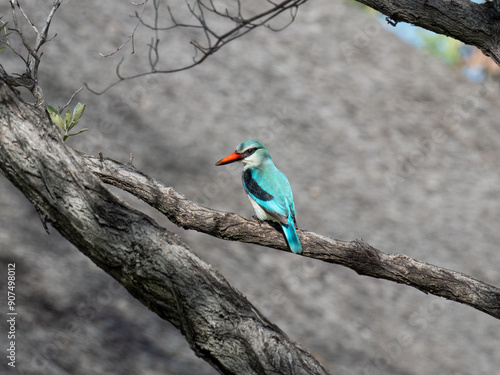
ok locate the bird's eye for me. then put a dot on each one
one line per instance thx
(250, 151)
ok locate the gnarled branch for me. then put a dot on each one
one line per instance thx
(357, 255)
(154, 265)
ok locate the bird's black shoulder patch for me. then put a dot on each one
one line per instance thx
(254, 188)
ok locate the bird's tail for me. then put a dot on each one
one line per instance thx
(291, 236)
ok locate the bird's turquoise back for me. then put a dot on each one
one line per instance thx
(270, 189)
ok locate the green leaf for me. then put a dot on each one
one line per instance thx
(78, 112)
(56, 118)
(67, 120)
(51, 110)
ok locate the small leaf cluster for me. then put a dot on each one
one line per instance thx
(68, 121)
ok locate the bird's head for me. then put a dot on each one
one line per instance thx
(251, 153)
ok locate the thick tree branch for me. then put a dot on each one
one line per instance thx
(154, 265)
(464, 20)
(357, 255)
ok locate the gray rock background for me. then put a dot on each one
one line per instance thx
(379, 141)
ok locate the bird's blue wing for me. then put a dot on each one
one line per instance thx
(271, 191)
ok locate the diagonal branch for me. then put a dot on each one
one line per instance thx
(357, 255)
(219, 323)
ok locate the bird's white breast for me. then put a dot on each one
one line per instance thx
(259, 211)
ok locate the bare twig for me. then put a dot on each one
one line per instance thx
(130, 37)
(17, 29)
(212, 40)
(472, 23)
(357, 255)
(154, 56)
(70, 100)
(173, 26)
(32, 62)
(42, 37)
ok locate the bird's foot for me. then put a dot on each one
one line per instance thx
(257, 219)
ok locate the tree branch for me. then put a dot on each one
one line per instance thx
(213, 40)
(154, 265)
(357, 255)
(472, 23)
(464, 20)
(30, 78)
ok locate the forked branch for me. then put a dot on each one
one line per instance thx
(29, 78)
(219, 323)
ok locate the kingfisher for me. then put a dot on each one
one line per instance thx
(267, 188)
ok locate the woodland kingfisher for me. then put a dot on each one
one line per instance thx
(267, 188)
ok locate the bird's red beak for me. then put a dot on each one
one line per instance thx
(230, 159)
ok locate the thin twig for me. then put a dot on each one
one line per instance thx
(32, 62)
(131, 36)
(42, 37)
(70, 100)
(17, 29)
(154, 56)
(212, 41)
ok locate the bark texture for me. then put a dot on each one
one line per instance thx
(357, 255)
(469, 22)
(154, 265)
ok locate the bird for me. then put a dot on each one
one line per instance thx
(267, 188)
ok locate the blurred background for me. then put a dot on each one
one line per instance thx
(381, 139)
